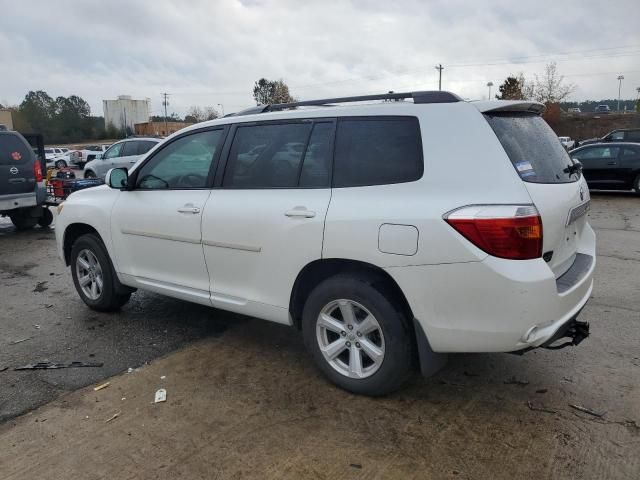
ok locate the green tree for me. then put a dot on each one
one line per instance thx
(511, 88)
(38, 110)
(268, 92)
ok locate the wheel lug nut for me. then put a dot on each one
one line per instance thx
(348, 344)
(343, 333)
(350, 327)
(359, 334)
(357, 344)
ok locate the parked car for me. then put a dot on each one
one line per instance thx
(79, 158)
(121, 154)
(574, 110)
(610, 166)
(603, 109)
(384, 239)
(22, 189)
(567, 142)
(619, 135)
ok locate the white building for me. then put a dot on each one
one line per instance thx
(125, 112)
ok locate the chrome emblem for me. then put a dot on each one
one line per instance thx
(13, 170)
(581, 193)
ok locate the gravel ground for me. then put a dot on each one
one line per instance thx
(244, 401)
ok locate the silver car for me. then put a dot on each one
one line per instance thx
(121, 154)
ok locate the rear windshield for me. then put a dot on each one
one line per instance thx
(13, 150)
(532, 147)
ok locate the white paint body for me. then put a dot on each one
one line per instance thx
(243, 249)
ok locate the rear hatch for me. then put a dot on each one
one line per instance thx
(555, 187)
(16, 165)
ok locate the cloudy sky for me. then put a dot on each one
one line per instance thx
(210, 52)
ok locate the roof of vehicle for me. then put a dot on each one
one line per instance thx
(606, 144)
(360, 105)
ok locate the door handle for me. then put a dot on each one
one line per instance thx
(300, 212)
(612, 163)
(189, 208)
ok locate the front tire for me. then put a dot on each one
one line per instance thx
(61, 164)
(357, 336)
(94, 276)
(89, 174)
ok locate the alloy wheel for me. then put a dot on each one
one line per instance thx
(89, 274)
(350, 338)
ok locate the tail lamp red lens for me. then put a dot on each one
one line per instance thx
(37, 171)
(505, 231)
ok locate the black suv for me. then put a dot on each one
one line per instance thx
(620, 135)
(22, 189)
(610, 166)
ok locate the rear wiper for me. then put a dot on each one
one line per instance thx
(573, 168)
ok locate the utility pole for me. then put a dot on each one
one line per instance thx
(489, 84)
(439, 67)
(620, 78)
(165, 103)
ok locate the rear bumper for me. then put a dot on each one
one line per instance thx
(496, 305)
(19, 200)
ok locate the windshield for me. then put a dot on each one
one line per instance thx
(532, 147)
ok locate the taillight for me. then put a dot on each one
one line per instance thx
(37, 170)
(505, 231)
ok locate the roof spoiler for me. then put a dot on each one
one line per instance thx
(509, 106)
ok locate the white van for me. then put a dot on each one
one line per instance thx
(392, 229)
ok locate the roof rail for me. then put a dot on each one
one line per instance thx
(418, 97)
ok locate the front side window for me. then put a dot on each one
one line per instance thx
(616, 136)
(598, 152)
(183, 164)
(377, 151)
(114, 151)
(266, 156)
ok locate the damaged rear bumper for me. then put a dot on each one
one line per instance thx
(570, 334)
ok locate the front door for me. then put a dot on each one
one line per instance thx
(266, 221)
(600, 165)
(156, 226)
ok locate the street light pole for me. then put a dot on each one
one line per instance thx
(490, 84)
(620, 78)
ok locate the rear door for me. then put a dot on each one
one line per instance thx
(16, 165)
(559, 193)
(128, 155)
(629, 165)
(600, 165)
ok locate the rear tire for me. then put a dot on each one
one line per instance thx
(61, 164)
(378, 350)
(47, 217)
(93, 275)
(22, 220)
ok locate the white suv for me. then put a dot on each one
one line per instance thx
(390, 232)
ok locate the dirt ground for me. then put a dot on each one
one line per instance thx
(247, 403)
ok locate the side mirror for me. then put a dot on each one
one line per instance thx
(99, 156)
(117, 178)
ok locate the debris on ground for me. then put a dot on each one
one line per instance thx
(52, 366)
(580, 408)
(541, 408)
(15, 342)
(3, 369)
(355, 465)
(40, 287)
(515, 381)
(36, 326)
(541, 390)
(100, 387)
(115, 415)
(161, 396)
(163, 377)
(48, 305)
(129, 370)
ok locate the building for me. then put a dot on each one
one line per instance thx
(6, 119)
(154, 129)
(125, 112)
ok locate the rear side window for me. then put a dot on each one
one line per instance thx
(532, 147)
(267, 156)
(633, 136)
(128, 149)
(377, 151)
(13, 151)
(144, 147)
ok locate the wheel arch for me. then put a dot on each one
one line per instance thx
(72, 233)
(319, 270)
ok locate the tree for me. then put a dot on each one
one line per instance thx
(550, 88)
(268, 92)
(196, 114)
(511, 89)
(38, 110)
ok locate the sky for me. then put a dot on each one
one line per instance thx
(210, 52)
